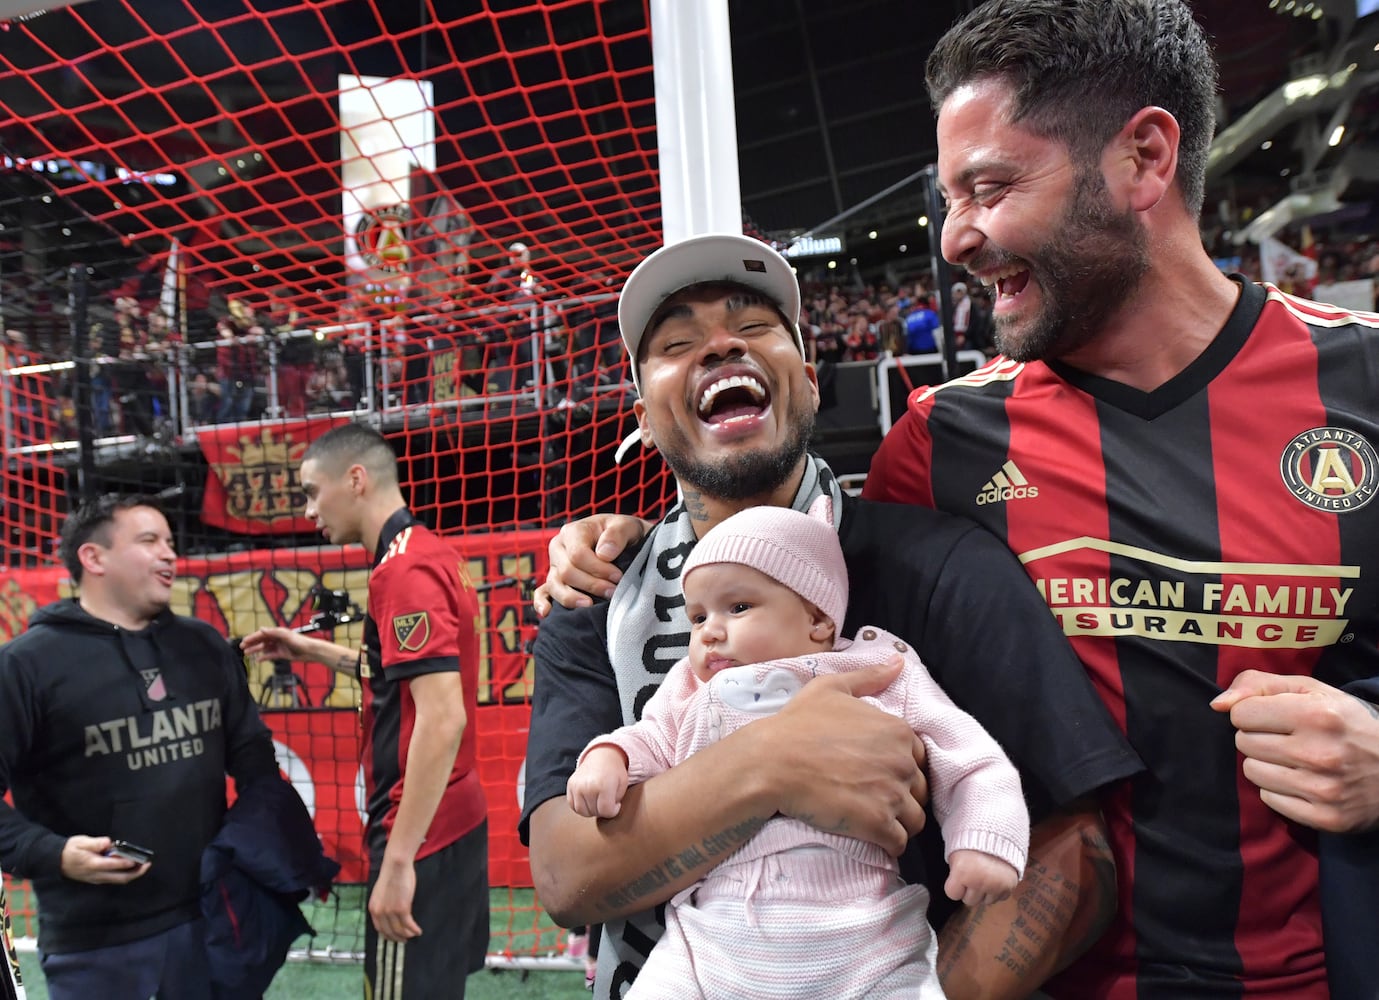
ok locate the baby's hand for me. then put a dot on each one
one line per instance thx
(599, 783)
(975, 878)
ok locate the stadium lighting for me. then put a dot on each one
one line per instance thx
(923, 221)
(871, 235)
(1337, 134)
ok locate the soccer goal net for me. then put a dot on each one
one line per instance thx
(229, 225)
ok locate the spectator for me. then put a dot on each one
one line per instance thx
(921, 328)
(962, 315)
(203, 399)
(296, 358)
(90, 750)
(891, 332)
(509, 363)
(239, 340)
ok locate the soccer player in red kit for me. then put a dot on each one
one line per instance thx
(427, 830)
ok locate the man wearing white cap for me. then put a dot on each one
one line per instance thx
(729, 401)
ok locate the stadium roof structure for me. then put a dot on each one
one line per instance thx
(831, 106)
(214, 122)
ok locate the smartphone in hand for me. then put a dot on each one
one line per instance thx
(130, 852)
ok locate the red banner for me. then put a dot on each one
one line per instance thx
(242, 591)
(254, 486)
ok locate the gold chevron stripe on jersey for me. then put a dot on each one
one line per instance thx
(1308, 311)
(999, 370)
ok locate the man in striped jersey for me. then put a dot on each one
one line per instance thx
(1184, 462)
(427, 830)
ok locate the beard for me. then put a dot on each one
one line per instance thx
(744, 475)
(1085, 272)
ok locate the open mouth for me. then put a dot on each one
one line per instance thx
(166, 577)
(1007, 284)
(732, 398)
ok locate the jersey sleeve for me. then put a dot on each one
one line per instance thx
(574, 700)
(412, 601)
(992, 644)
(901, 467)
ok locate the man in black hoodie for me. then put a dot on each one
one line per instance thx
(119, 721)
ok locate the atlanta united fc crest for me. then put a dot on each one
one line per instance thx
(1331, 469)
(381, 234)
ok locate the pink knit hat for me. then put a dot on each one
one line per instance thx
(798, 550)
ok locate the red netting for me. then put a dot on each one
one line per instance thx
(209, 255)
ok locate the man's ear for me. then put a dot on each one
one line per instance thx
(1144, 157)
(812, 376)
(639, 411)
(358, 477)
(92, 559)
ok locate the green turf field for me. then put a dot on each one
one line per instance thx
(516, 927)
(312, 981)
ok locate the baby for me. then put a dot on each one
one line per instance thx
(766, 592)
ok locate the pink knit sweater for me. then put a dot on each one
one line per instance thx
(974, 789)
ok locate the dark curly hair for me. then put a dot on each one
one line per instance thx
(1081, 68)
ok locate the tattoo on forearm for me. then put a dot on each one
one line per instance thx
(1104, 896)
(704, 855)
(347, 662)
(1046, 902)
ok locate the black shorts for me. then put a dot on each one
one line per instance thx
(451, 907)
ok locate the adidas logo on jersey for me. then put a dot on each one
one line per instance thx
(1007, 484)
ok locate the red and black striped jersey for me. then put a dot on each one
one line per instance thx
(420, 620)
(1220, 523)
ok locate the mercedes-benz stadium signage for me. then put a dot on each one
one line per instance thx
(813, 246)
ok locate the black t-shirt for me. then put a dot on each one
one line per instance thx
(950, 589)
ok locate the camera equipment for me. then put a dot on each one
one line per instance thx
(332, 608)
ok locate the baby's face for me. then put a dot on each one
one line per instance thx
(739, 616)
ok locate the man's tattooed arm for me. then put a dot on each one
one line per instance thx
(1063, 904)
(693, 860)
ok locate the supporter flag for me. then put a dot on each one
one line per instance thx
(1280, 262)
(254, 486)
(172, 273)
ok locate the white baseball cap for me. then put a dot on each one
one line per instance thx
(716, 257)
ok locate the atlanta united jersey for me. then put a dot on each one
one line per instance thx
(1223, 522)
(420, 620)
